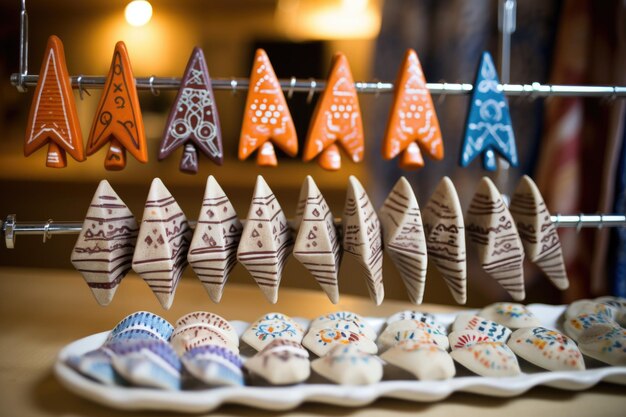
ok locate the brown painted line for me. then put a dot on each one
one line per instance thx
(221, 197)
(108, 219)
(458, 284)
(206, 268)
(107, 197)
(217, 202)
(264, 284)
(398, 203)
(210, 275)
(123, 265)
(167, 220)
(213, 282)
(450, 269)
(220, 221)
(159, 272)
(107, 260)
(503, 262)
(307, 252)
(405, 250)
(204, 251)
(109, 206)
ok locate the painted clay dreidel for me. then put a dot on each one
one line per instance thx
(547, 349)
(104, 249)
(213, 250)
(317, 244)
(491, 229)
(413, 123)
(53, 119)
(537, 232)
(336, 120)
(266, 117)
(511, 315)
(265, 241)
(362, 237)
(193, 121)
(161, 252)
(118, 118)
(281, 362)
(404, 239)
(488, 126)
(445, 237)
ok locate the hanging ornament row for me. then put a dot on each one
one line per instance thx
(193, 122)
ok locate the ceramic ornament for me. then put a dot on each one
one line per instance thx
(104, 249)
(336, 120)
(488, 126)
(511, 315)
(411, 330)
(190, 336)
(266, 118)
(344, 320)
(469, 321)
(212, 320)
(576, 326)
(491, 230)
(145, 321)
(488, 359)
(320, 341)
(348, 365)
(118, 119)
(282, 362)
(266, 240)
(605, 343)
(133, 334)
(53, 119)
(161, 253)
(425, 318)
(547, 349)
(463, 338)
(445, 237)
(362, 237)
(193, 120)
(97, 365)
(412, 123)
(317, 245)
(427, 361)
(403, 236)
(214, 365)
(537, 232)
(270, 327)
(213, 250)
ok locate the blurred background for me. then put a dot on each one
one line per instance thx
(572, 147)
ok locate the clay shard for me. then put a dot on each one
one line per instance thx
(537, 232)
(445, 237)
(104, 249)
(403, 236)
(547, 349)
(317, 244)
(491, 229)
(213, 250)
(362, 237)
(281, 362)
(161, 252)
(53, 119)
(266, 240)
(214, 365)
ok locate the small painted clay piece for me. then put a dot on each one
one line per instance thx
(511, 315)
(547, 349)
(214, 365)
(118, 119)
(343, 319)
(270, 327)
(445, 237)
(579, 307)
(618, 304)
(403, 236)
(426, 318)
(97, 365)
(282, 362)
(492, 232)
(463, 338)
(190, 336)
(193, 120)
(362, 237)
(161, 252)
(412, 120)
(488, 359)
(317, 245)
(133, 334)
(266, 117)
(211, 320)
(605, 343)
(537, 232)
(320, 341)
(213, 250)
(336, 120)
(144, 320)
(53, 119)
(427, 361)
(469, 321)
(104, 249)
(266, 240)
(488, 126)
(576, 326)
(348, 365)
(411, 330)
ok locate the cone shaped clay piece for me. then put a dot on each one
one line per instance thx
(161, 252)
(104, 250)
(213, 250)
(193, 120)
(445, 237)
(404, 239)
(266, 118)
(413, 120)
(336, 120)
(53, 119)
(266, 240)
(362, 237)
(491, 229)
(537, 232)
(317, 244)
(118, 119)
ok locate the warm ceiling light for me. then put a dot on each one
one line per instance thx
(138, 12)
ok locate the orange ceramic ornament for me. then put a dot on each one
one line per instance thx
(53, 119)
(337, 118)
(118, 119)
(266, 117)
(413, 119)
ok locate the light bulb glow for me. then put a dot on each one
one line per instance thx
(138, 12)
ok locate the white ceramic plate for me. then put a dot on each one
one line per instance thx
(284, 398)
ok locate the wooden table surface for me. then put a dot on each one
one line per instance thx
(43, 310)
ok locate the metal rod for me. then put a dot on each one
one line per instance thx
(21, 86)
